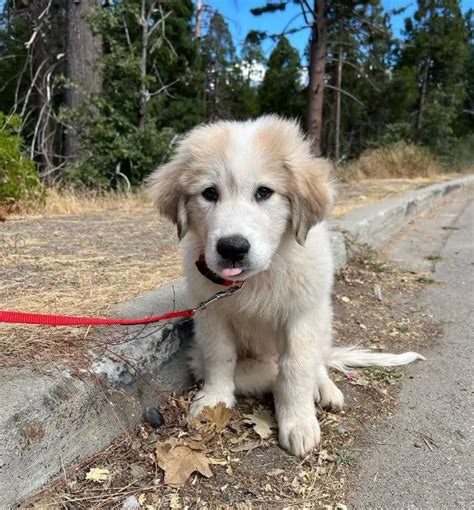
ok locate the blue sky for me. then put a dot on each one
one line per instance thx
(237, 14)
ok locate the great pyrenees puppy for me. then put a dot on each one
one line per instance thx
(249, 201)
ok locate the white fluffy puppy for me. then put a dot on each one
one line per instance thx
(251, 198)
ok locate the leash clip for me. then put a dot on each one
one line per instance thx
(217, 297)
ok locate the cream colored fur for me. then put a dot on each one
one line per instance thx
(275, 334)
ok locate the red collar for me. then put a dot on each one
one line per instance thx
(213, 277)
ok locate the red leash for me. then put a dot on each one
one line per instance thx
(71, 320)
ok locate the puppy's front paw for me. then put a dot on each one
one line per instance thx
(299, 436)
(209, 398)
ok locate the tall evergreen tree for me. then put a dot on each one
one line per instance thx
(219, 57)
(437, 49)
(281, 90)
(245, 77)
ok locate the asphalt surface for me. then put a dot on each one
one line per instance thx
(422, 456)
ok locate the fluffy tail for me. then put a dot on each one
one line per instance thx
(345, 358)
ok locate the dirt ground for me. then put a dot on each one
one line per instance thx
(375, 306)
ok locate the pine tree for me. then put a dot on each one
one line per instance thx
(245, 77)
(219, 58)
(281, 90)
(437, 49)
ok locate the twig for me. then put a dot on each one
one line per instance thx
(346, 93)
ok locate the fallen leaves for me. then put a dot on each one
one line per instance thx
(179, 458)
(179, 461)
(263, 422)
(246, 447)
(98, 474)
(218, 417)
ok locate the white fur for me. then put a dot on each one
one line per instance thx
(275, 334)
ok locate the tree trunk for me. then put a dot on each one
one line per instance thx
(317, 66)
(143, 107)
(337, 136)
(424, 88)
(42, 144)
(197, 28)
(84, 50)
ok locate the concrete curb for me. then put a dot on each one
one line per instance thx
(49, 421)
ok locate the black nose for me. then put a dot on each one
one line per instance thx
(233, 248)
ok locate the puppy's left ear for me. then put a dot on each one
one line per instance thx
(165, 189)
(311, 195)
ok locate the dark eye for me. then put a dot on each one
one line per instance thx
(263, 193)
(210, 194)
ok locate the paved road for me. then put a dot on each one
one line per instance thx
(398, 470)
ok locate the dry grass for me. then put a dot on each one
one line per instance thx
(62, 202)
(400, 160)
(78, 264)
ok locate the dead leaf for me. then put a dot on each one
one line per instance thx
(49, 503)
(237, 440)
(218, 462)
(195, 445)
(263, 422)
(179, 461)
(276, 472)
(193, 423)
(98, 474)
(218, 416)
(246, 447)
(175, 501)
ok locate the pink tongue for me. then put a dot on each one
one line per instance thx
(232, 271)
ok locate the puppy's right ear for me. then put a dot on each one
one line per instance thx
(165, 189)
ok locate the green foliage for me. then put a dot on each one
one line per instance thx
(437, 49)
(394, 133)
(219, 61)
(18, 177)
(281, 90)
(113, 143)
(442, 110)
(462, 154)
(110, 137)
(12, 55)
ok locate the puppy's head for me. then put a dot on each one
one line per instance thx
(240, 187)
